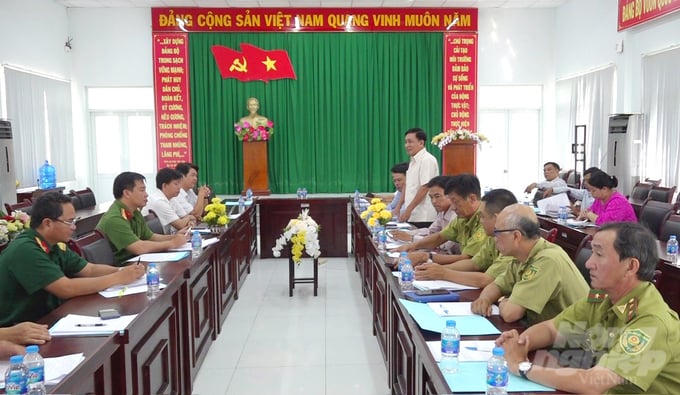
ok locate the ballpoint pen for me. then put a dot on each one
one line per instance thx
(139, 259)
(89, 325)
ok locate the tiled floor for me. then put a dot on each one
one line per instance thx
(274, 344)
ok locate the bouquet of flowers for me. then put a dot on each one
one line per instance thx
(303, 233)
(216, 213)
(444, 138)
(377, 213)
(12, 225)
(247, 132)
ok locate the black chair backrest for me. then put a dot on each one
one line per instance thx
(26, 206)
(662, 194)
(99, 252)
(86, 196)
(75, 200)
(670, 227)
(654, 214)
(583, 252)
(641, 191)
(154, 223)
(94, 247)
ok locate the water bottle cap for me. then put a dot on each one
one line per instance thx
(450, 323)
(152, 264)
(15, 359)
(195, 233)
(403, 253)
(498, 351)
(32, 348)
(673, 236)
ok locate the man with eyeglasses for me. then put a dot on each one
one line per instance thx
(628, 335)
(38, 271)
(540, 282)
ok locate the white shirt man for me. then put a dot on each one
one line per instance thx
(172, 216)
(421, 169)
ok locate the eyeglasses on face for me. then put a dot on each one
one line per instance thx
(496, 232)
(69, 223)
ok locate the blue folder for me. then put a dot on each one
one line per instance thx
(450, 296)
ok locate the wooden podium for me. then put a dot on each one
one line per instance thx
(255, 168)
(459, 157)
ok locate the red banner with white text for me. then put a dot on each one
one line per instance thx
(171, 91)
(460, 81)
(313, 19)
(635, 12)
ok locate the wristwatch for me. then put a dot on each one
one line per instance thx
(524, 368)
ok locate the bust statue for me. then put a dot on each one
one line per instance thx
(254, 118)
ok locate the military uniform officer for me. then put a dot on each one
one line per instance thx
(540, 282)
(633, 334)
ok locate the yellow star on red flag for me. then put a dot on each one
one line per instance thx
(271, 64)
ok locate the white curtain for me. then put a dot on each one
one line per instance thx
(661, 106)
(587, 99)
(40, 111)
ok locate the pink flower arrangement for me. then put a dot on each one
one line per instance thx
(247, 132)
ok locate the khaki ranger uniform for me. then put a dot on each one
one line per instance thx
(467, 232)
(489, 260)
(545, 284)
(638, 338)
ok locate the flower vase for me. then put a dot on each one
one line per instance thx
(217, 229)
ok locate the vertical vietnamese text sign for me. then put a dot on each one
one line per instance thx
(171, 92)
(460, 101)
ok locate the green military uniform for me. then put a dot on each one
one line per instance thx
(123, 228)
(639, 336)
(27, 266)
(467, 232)
(489, 260)
(546, 284)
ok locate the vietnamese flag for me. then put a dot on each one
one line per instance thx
(253, 63)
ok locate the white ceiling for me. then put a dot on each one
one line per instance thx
(314, 3)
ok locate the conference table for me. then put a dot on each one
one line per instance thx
(162, 349)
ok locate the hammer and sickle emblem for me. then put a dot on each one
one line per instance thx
(240, 65)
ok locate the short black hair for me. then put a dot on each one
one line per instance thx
(600, 179)
(49, 205)
(635, 241)
(400, 168)
(439, 181)
(498, 199)
(166, 176)
(464, 185)
(420, 133)
(553, 164)
(125, 181)
(185, 167)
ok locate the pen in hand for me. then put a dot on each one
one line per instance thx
(90, 325)
(139, 259)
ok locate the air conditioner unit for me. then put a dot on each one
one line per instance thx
(624, 149)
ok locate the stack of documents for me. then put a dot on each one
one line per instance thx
(187, 246)
(161, 256)
(85, 325)
(55, 368)
(436, 284)
(136, 287)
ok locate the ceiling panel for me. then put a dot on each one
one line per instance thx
(314, 3)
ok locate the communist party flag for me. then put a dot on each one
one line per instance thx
(253, 63)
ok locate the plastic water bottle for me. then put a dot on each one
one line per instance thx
(153, 280)
(304, 193)
(249, 194)
(526, 200)
(16, 375)
(672, 249)
(35, 365)
(497, 373)
(357, 199)
(562, 215)
(407, 275)
(382, 240)
(48, 176)
(403, 256)
(241, 204)
(299, 193)
(196, 244)
(450, 348)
